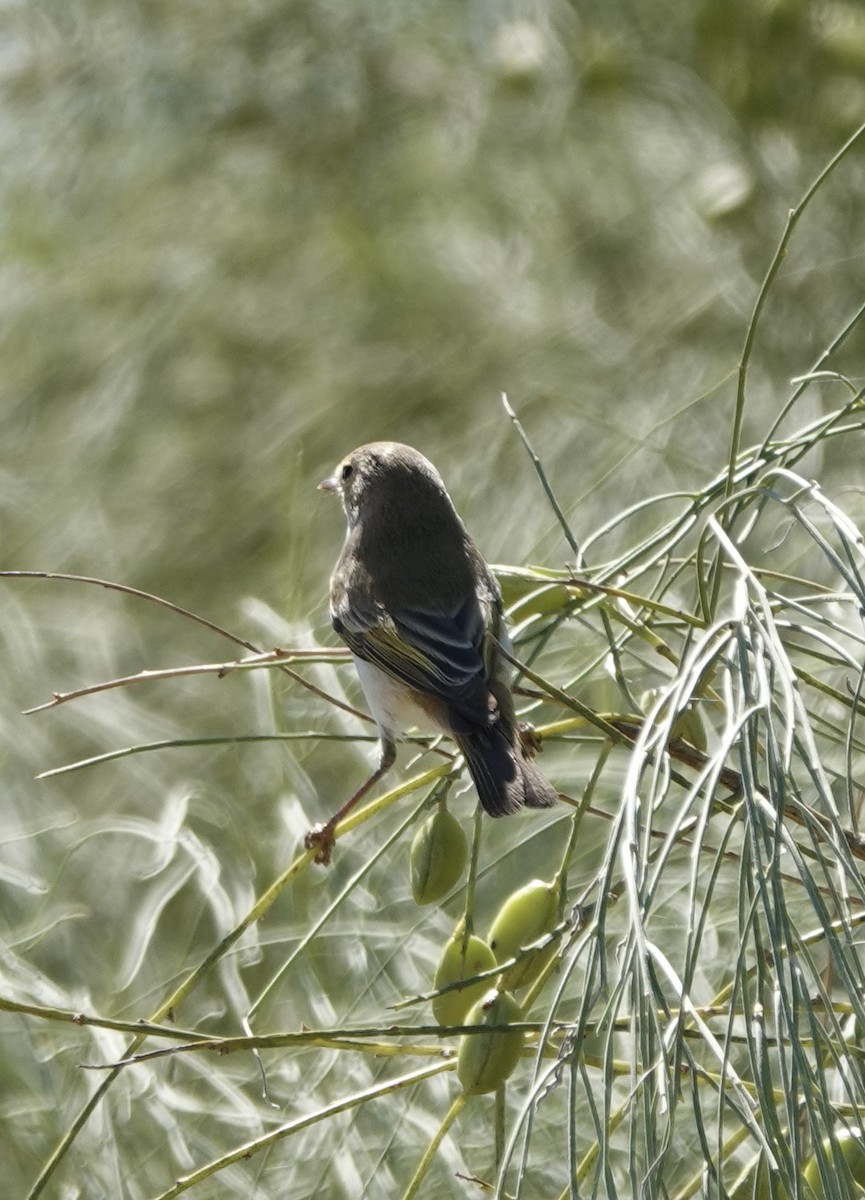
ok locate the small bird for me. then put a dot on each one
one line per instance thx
(421, 612)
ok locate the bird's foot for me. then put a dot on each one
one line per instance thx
(320, 838)
(530, 740)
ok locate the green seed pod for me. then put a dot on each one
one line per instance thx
(649, 699)
(485, 1060)
(454, 965)
(438, 857)
(523, 918)
(853, 1152)
(753, 1183)
(533, 592)
(688, 724)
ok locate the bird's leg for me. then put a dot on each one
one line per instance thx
(530, 739)
(321, 837)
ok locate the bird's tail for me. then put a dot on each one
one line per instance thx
(505, 775)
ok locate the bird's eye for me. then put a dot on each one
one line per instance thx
(346, 472)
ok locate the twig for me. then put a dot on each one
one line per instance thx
(272, 658)
(545, 483)
(793, 218)
(141, 595)
(183, 612)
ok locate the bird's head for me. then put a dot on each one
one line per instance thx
(385, 477)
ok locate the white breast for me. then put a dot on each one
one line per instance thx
(390, 703)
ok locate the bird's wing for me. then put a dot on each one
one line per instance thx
(440, 653)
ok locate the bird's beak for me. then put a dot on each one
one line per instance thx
(328, 485)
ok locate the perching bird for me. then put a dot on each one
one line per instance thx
(422, 615)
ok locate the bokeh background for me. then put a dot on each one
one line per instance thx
(238, 239)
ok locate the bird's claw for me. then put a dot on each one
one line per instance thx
(530, 739)
(320, 838)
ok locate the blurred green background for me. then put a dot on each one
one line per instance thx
(238, 239)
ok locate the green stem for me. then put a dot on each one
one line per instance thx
(429, 1154)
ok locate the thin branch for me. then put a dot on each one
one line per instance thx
(272, 658)
(140, 595)
(545, 483)
(793, 219)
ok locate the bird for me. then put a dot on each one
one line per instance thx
(422, 614)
